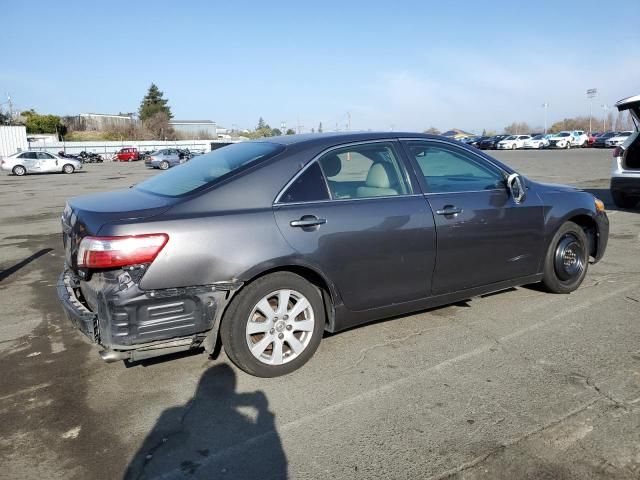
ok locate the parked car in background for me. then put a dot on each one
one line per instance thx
(625, 171)
(513, 142)
(38, 162)
(592, 138)
(561, 140)
(599, 141)
(537, 141)
(255, 246)
(617, 139)
(580, 138)
(491, 143)
(127, 154)
(164, 159)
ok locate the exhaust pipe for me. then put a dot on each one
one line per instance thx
(111, 356)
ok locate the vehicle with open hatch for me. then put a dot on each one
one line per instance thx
(262, 246)
(625, 171)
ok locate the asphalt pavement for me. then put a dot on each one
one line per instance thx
(518, 384)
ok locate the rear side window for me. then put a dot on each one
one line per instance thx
(363, 171)
(205, 169)
(310, 186)
(450, 169)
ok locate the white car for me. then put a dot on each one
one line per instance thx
(561, 140)
(580, 138)
(22, 163)
(537, 141)
(617, 140)
(512, 142)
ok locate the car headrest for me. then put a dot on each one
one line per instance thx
(331, 165)
(378, 176)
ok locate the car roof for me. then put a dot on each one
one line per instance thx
(313, 139)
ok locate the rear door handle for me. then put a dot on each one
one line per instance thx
(308, 221)
(449, 210)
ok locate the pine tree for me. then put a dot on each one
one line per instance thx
(153, 103)
(261, 124)
(320, 127)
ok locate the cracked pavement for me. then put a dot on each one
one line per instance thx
(519, 384)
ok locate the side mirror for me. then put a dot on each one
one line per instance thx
(516, 187)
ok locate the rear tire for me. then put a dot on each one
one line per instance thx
(19, 170)
(622, 201)
(261, 338)
(567, 259)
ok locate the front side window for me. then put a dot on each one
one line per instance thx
(44, 156)
(205, 169)
(449, 169)
(364, 171)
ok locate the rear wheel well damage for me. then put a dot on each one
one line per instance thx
(212, 343)
(590, 229)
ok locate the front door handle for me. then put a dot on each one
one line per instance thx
(449, 210)
(308, 221)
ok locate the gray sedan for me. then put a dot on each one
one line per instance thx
(262, 246)
(165, 158)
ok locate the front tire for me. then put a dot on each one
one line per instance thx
(567, 259)
(19, 170)
(274, 325)
(164, 165)
(68, 168)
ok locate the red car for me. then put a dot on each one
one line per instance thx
(592, 138)
(128, 154)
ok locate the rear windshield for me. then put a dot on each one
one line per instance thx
(204, 169)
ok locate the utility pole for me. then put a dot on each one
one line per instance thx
(348, 121)
(545, 105)
(590, 94)
(10, 109)
(605, 108)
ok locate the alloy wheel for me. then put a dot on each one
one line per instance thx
(280, 327)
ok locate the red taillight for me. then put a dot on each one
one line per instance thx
(617, 152)
(109, 252)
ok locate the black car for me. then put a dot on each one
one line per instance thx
(598, 142)
(264, 245)
(491, 143)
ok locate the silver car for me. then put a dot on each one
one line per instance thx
(165, 158)
(22, 163)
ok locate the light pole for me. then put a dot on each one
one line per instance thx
(590, 94)
(604, 117)
(545, 105)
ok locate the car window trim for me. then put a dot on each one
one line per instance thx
(399, 153)
(423, 183)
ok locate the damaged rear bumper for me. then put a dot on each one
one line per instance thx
(133, 324)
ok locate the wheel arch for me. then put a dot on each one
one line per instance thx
(590, 228)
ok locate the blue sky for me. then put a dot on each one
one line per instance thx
(407, 65)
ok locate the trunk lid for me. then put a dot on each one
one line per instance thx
(633, 105)
(86, 215)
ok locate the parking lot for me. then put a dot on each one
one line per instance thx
(519, 384)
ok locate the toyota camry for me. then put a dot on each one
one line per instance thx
(262, 246)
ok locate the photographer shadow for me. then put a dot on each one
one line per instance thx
(217, 434)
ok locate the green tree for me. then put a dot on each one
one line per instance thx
(276, 132)
(152, 103)
(290, 131)
(320, 127)
(517, 128)
(37, 123)
(432, 131)
(261, 124)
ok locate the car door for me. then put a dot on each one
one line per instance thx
(354, 214)
(30, 161)
(47, 162)
(483, 235)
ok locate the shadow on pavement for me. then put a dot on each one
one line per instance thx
(217, 434)
(604, 194)
(14, 268)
